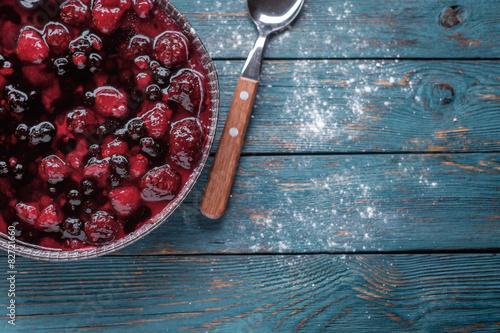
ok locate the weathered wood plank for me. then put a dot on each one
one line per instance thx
(371, 106)
(353, 29)
(411, 293)
(343, 204)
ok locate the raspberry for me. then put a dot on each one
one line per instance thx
(138, 166)
(81, 121)
(142, 7)
(186, 142)
(49, 219)
(74, 12)
(143, 80)
(95, 41)
(142, 62)
(157, 122)
(107, 14)
(101, 229)
(74, 160)
(53, 169)
(139, 45)
(112, 147)
(186, 90)
(161, 183)
(111, 102)
(125, 200)
(27, 212)
(171, 49)
(97, 169)
(31, 47)
(79, 60)
(57, 37)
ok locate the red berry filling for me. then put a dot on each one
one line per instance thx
(102, 120)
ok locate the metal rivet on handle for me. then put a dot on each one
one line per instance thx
(234, 132)
(244, 95)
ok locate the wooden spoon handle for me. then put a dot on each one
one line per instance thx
(220, 181)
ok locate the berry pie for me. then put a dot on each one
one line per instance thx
(104, 116)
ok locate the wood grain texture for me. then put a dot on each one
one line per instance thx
(370, 106)
(353, 29)
(220, 181)
(411, 293)
(343, 204)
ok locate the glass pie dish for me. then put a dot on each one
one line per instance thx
(40, 252)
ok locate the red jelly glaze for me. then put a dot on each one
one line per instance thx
(82, 107)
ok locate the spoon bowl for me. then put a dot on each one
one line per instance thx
(273, 16)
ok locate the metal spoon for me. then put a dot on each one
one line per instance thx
(270, 16)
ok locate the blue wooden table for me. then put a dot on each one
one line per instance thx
(367, 197)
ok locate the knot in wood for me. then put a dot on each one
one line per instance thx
(443, 94)
(451, 16)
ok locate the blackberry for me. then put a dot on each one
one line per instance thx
(89, 206)
(74, 198)
(94, 63)
(22, 132)
(120, 165)
(89, 99)
(4, 169)
(61, 66)
(161, 75)
(154, 93)
(89, 187)
(136, 129)
(18, 100)
(44, 132)
(18, 171)
(151, 148)
(72, 226)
